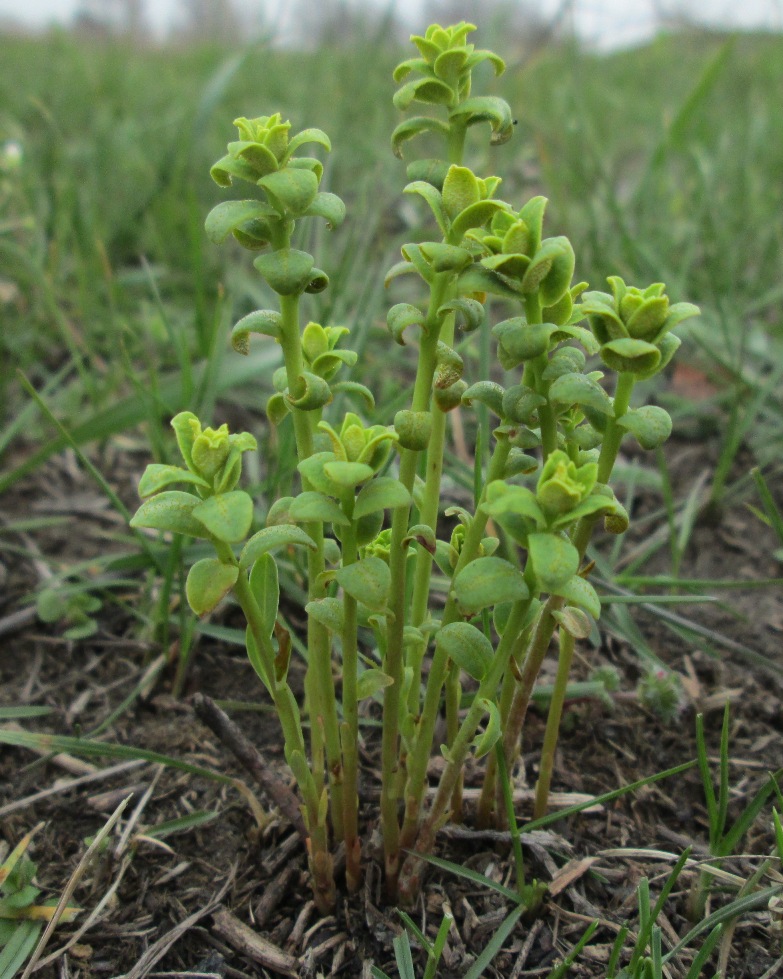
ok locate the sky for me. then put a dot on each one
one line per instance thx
(607, 23)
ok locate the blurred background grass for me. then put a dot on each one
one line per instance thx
(661, 162)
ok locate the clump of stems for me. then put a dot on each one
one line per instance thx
(367, 518)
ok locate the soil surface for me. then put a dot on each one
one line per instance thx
(231, 897)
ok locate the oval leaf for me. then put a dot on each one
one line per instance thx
(348, 475)
(555, 560)
(650, 425)
(578, 591)
(488, 581)
(172, 511)
(371, 682)
(486, 741)
(316, 507)
(290, 191)
(575, 621)
(328, 612)
(227, 516)
(383, 493)
(226, 217)
(157, 477)
(265, 586)
(467, 647)
(208, 582)
(287, 270)
(264, 321)
(270, 538)
(579, 389)
(368, 581)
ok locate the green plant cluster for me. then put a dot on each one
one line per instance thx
(367, 517)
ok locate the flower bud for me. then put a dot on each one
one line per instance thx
(562, 485)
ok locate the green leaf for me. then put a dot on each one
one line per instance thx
(472, 313)
(488, 581)
(310, 392)
(413, 127)
(450, 63)
(400, 317)
(550, 270)
(230, 215)
(368, 581)
(445, 258)
(327, 206)
(635, 356)
(487, 108)
(578, 591)
(229, 168)
(227, 516)
(383, 493)
(287, 270)
(312, 470)
(555, 560)
(348, 475)
(579, 389)
(307, 136)
(486, 393)
(356, 390)
(172, 511)
(460, 190)
(520, 341)
(371, 682)
(316, 507)
(428, 90)
(270, 538)
(433, 197)
(467, 646)
(477, 279)
(266, 322)
(290, 191)
(503, 499)
(157, 477)
(208, 582)
(574, 621)
(486, 741)
(265, 586)
(17, 948)
(650, 425)
(475, 216)
(328, 612)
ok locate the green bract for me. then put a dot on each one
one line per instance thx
(409, 597)
(633, 326)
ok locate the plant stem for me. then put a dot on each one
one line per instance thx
(537, 650)
(393, 664)
(320, 682)
(350, 727)
(417, 764)
(425, 838)
(320, 860)
(611, 446)
(553, 723)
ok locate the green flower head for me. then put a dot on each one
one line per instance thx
(215, 455)
(263, 148)
(562, 484)
(355, 443)
(634, 325)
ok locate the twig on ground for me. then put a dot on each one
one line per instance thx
(248, 943)
(231, 736)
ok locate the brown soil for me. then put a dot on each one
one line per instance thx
(172, 909)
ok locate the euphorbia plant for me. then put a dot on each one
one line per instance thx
(368, 524)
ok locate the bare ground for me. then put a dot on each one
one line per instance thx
(176, 906)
